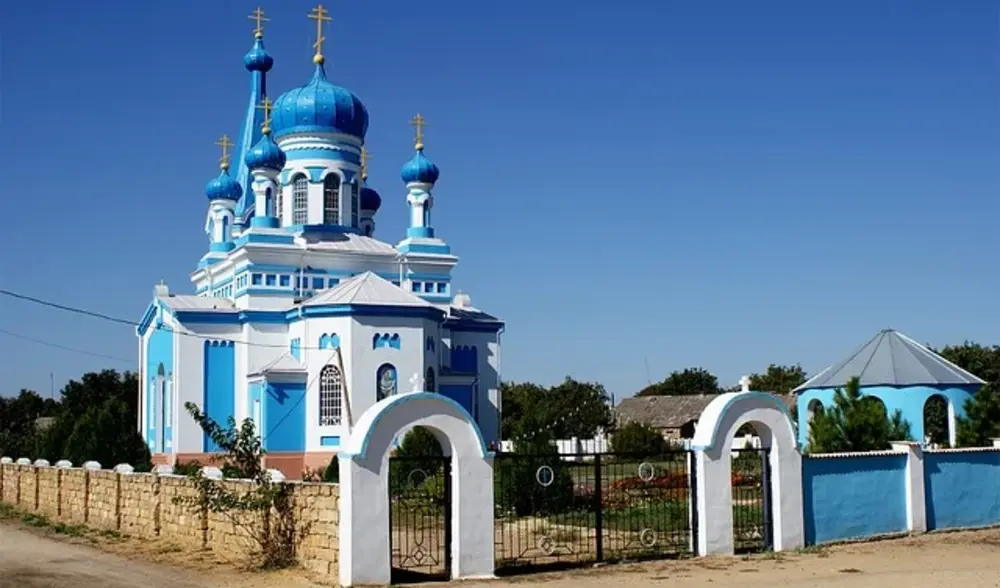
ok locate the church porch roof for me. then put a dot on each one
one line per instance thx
(890, 358)
(201, 303)
(284, 364)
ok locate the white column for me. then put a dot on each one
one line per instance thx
(916, 505)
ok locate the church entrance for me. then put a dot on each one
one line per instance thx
(420, 518)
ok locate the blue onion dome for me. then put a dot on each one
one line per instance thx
(258, 59)
(320, 106)
(370, 199)
(265, 154)
(420, 169)
(223, 187)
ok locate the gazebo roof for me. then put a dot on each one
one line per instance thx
(890, 358)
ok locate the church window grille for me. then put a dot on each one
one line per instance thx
(386, 381)
(429, 383)
(331, 199)
(330, 396)
(279, 204)
(300, 201)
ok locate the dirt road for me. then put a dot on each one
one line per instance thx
(29, 559)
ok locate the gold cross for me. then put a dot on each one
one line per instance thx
(225, 143)
(365, 157)
(265, 105)
(320, 15)
(419, 122)
(258, 15)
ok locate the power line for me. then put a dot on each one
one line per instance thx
(131, 323)
(62, 347)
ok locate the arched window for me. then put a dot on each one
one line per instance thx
(269, 202)
(331, 199)
(300, 200)
(430, 384)
(354, 204)
(225, 229)
(159, 400)
(386, 381)
(330, 396)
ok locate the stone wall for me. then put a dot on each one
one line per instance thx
(142, 505)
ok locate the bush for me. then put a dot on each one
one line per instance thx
(332, 472)
(518, 488)
(638, 437)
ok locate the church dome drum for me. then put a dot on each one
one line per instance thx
(320, 106)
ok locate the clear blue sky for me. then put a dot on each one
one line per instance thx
(724, 184)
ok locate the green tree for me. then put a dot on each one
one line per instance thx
(18, 429)
(936, 420)
(778, 379)
(981, 422)
(534, 481)
(855, 423)
(636, 437)
(570, 409)
(96, 419)
(689, 381)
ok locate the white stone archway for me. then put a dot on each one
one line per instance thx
(364, 487)
(713, 445)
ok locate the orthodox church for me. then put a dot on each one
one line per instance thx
(301, 319)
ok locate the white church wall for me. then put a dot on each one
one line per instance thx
(367, 358)
(311, 331)
(189, 377)
(266, 343)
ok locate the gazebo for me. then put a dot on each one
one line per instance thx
(900, 372)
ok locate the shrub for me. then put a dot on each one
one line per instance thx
(332, 472)
(518, 487)
(638, 437)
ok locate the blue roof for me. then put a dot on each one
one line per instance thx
(223, 187)
(319, 106)
(420, 169)
(890, 358)
(266, 155)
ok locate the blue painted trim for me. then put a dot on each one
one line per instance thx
(278, 291)
(246, 238)
(428, 277)
(305, 129)
(470, 326)
(297, 314)
(147, 318)
(401, 399)
(265, 222)
(207, 261)
(420, 232)
(324, 229)
(371, 310)
(740, 396)
(221, 247)
(408, 248)
(315, 173)
(332, 441)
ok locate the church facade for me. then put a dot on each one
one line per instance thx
(301, 319)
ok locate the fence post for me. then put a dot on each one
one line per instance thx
(59, 472)
(36, 487)
(1, 480)
(693, 499)
(916, 499)
(86, 495)
(599, 507)
(157, 506)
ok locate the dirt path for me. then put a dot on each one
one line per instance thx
(31, 559)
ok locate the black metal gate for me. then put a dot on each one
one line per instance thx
(420, 518)
(554, 511)
(751, 482)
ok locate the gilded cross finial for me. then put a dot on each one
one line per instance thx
(320, 15)
(365, 157)
(225, 143)
(258, 15)
(419, 122)
(265, 105)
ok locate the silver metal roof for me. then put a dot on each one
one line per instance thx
(890, 358)
(367, 288)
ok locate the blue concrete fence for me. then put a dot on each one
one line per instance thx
(863, 495)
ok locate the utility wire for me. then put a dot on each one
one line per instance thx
(131, 323)
(62, 347)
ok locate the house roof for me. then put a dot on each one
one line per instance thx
(367, 288)
(671, 412)
(284, 364)
(890, 358)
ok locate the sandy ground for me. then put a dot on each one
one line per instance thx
(30, 558)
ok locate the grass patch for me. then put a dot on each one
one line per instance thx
(35, 520)
(7, 511)
(69, 530)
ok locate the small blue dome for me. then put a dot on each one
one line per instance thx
(320, 106)
(420, 169)
(265, 155)
(258, 59)
(370, 199)
(223, 187)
